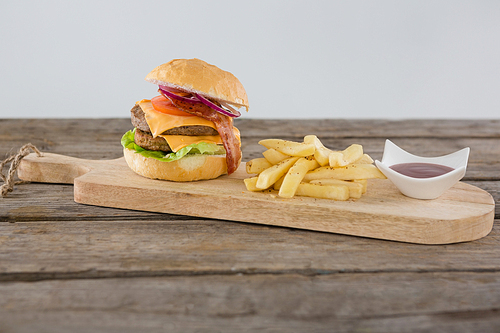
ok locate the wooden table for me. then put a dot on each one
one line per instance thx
(66, 267)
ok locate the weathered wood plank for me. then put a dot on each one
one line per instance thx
(360, 302)
(373, 128)
(93, 249)
(332, 128)
(100, 139)
(38, 129)
(55, 202)
(173, 273)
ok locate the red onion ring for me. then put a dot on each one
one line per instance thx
(168, 91)
(197, 98)
(230, 108)
(217, 108)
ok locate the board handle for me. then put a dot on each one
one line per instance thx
(55, 168)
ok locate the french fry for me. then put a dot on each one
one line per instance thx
(363, 182)
(295, 175)
(269, 176)
(352, 153)
(257, 165)
(273, 156)
(308, 168)
(365, 159)
(355, 189)
(336, 159)
(250, 184)
(277, 185)
(289, 147)
(335, 192)
(322, 153)
(349, 172)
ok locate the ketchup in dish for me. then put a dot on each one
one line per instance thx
(421, 170)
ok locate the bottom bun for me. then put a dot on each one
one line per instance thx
(186, 169)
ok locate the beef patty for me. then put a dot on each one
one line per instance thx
(146, 141)
(139, 121)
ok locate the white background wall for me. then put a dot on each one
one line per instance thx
(296, 59)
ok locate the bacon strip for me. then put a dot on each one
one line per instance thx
(224, 126)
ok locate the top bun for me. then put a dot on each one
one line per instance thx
(197, 76)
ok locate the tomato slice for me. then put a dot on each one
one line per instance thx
(164, 105)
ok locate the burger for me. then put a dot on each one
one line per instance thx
(186, 133)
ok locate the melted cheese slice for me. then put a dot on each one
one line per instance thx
(160, 122)
(177, 142)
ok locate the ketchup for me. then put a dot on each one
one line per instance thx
(421, 170)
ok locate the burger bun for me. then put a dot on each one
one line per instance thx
(198, 76)
(189, 168)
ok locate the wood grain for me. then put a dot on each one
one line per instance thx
(347, 302)
(100, 139)
(55, 202)
(71, 267)
(463, 213)
(125, 248)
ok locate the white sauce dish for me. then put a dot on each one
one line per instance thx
(422, 177)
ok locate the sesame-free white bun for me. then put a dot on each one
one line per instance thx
(197, 76)
(186, 169)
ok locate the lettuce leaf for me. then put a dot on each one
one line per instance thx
(197, 148)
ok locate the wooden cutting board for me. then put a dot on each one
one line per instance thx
(463, 213)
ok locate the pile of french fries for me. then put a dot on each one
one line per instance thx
(310, 169)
